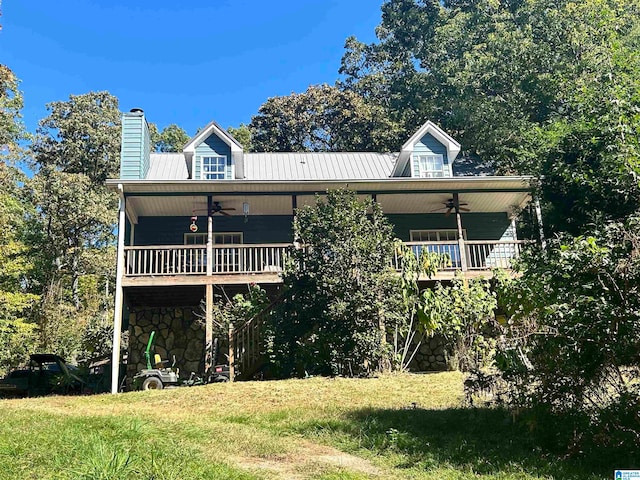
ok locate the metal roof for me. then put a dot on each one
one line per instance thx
(167, 166)
(318, 166)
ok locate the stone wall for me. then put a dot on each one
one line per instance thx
(431, 355)
(178, 332)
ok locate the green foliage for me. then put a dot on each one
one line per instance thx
(243, 135)
(556, 82)
(238, 309)
(11, 102)
(321, 119)
(572, 341)
(81, 136)
(463, 313)
(171, 139)
(340, 292)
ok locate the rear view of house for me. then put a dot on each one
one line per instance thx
(214, 215)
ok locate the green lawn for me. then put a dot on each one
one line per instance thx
(404, 426)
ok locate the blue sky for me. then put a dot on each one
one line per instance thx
(182, 62)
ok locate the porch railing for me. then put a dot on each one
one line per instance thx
(192, 259)
(270, 258)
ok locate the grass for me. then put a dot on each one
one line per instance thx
(400, 426)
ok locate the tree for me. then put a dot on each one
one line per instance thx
(171, 139)
(17, 297)
(340, 292)
(541, 87)
(571, 341)
(11, 102)
(81, 135)
(243, 135)
(321, 119)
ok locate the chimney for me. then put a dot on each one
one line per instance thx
(136, 146)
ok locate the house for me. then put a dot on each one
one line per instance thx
(215, 216)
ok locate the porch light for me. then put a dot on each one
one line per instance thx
(193, 227)
(245, 210)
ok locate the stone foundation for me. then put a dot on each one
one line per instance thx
(178, 332)
(431, 355)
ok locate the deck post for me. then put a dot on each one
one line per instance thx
(208, 334)
(117, 309)
(543, 241)
(232, 360)
(461, 245)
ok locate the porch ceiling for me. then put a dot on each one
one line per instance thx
(181, 198)
(282, 205)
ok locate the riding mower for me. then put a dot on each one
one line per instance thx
(157, 378)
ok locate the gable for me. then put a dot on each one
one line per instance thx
(214, 141)
(212, 146)
(428, 139)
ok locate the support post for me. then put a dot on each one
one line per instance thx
(117, 309)
(461, 245)
(543, 241)
(232, 356)
(208, 334)
(208, 320)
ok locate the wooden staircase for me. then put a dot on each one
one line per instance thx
(246, 355)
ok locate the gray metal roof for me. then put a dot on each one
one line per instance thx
(318, 166)
(167, 166)
(292, 166)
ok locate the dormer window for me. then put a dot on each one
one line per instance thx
(430, 166)
(214, 167)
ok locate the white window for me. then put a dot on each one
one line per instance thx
(230, 238)
(435, 235)
(430, 165)
(213, 168)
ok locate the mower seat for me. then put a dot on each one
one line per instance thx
(158, 362)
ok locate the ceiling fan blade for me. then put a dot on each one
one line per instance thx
(448, 212)
(230, 208)
(224, 213)
(438, 209)
(464, 209)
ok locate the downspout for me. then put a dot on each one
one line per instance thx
(543, 241)
(117, 313)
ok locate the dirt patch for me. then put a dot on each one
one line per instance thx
(307, 460)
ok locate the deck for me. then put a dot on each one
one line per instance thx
(263, 263)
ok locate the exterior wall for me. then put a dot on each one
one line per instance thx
(428, 144)
(178, 332)
(479, 226)
(210, 147)
(171, 230)
(136, 147)
(431, 355)
(278, 228)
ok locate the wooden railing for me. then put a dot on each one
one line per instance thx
(192, 260)
(270, 258)
(245, 344)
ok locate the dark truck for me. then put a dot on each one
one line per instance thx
(47, 374)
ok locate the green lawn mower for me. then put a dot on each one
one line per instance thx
(156, 376)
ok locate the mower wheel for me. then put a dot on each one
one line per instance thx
(152, 383)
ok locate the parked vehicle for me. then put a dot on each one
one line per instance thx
(47, 374)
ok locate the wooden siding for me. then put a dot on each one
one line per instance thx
(479, 226)
(278, 228)
(212, 146)
(135, 148)
(171, 230)
(428, 144)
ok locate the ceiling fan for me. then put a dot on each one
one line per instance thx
(451, 205)
(216, 207)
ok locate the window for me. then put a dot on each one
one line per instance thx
(435, 235)
(213, 168)
(448, 248)
(195, 238)
(430, 166)
(218, 238)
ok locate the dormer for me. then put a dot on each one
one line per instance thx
(429, 153)
(214, 155)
